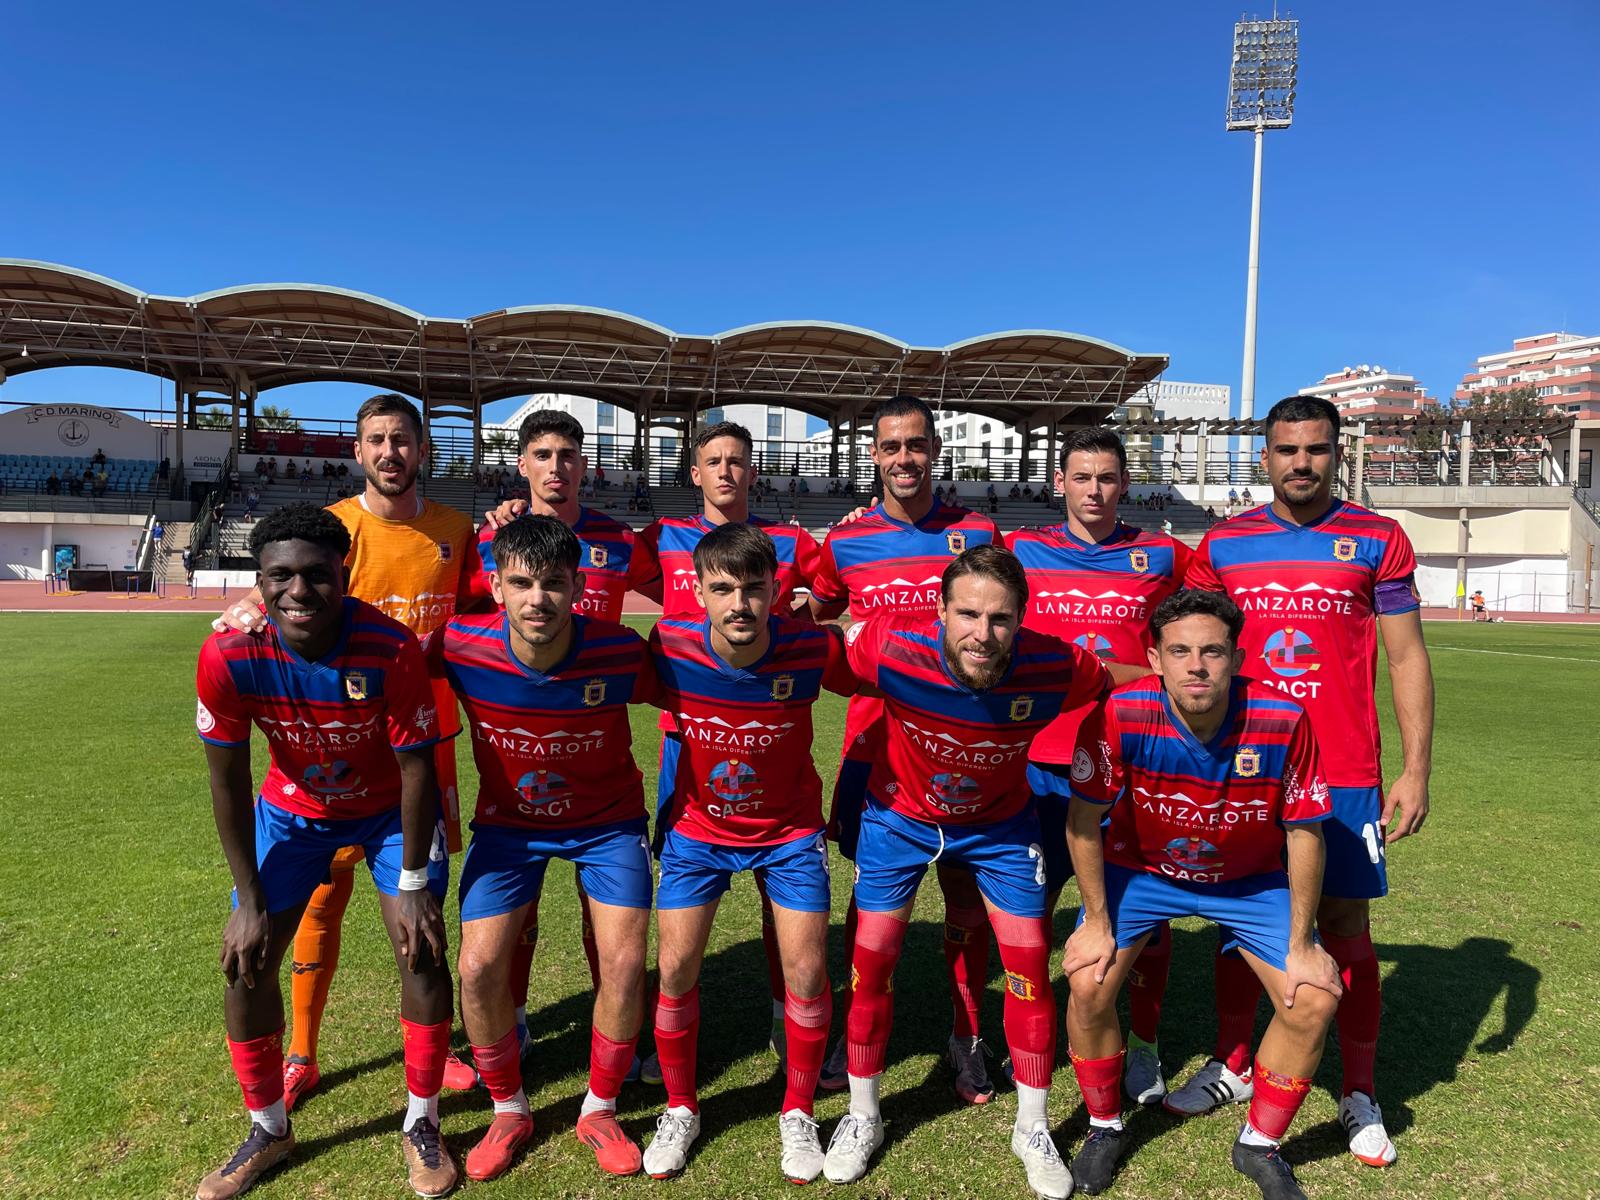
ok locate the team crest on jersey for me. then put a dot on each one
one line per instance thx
(1082, 766)
(445, 551)
(598, 556)
(1021, 708)
(355, 685)
(594, 693)
(1138, 560)
(956, 540)
(1247, 762)
(203, 720)
(1344, 548)
(782, 687)
(1020, 986)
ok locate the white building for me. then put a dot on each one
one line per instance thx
(1368, 391)
(609, 430)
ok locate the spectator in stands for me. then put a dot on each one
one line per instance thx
(1166, 526)
(794, 486)
(1248, 502)
(627, 482)
(1233, 500)
(795, 469)
(1027, 491)
(188, 566)
(52, 486)
(252, 498)
(97, 487)
(305, 480)
(1211, 516)
(157, 532)
(306, 470)
(994, 499)
(272, 470)
(164, 471)
(1015, 493)
(261, 468)
(344, 471)
(99, 458)
(217, 513)
(327, 469)
(599, 476)
(805, 488)
(290, 470)
(233, 481)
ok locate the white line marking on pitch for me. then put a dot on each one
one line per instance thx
(1593, 662)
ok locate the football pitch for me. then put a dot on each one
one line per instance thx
(114, 1080)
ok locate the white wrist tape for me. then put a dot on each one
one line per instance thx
(413, 881)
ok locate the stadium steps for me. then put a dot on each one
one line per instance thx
(174, 541)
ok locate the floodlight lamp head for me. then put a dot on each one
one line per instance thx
(1261, 83)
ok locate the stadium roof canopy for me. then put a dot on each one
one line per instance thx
(263, 336)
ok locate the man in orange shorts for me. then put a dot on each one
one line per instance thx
(410, 558)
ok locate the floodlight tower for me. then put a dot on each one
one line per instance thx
(1266, 55)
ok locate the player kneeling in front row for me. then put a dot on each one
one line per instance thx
(342, 694)
(739, 684)
(964, 696)
(546, 693)
(1210, 777)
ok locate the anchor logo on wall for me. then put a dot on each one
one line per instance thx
(73, 432)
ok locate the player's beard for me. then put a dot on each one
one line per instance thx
(978, 679)
(544, 634)
(1199, 706)
(740, 635)
(1300, 497)
(906, 490)
(386, 487)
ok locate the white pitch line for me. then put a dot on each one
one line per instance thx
(1593, 662)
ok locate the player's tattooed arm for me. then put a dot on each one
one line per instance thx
(247, 937)
(1411, 679)
(1093, 944)
(420, 921)
(1308, 963)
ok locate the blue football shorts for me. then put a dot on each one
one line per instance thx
(794, 873)
(505, 866)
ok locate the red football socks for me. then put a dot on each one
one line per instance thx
(966, 958)
(425, 1048)
(1100, 1081)
(1277, 1098)
(608, 1064)
(258, 1065)
(1147, 984)
(522, 956)
(1030, 1012)
(1238, 989)
(879, 937)
(1360, 1009)
(805, 1026)
(500, 1066)
(677, 1042)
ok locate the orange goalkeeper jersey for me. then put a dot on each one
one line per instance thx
(415, 571)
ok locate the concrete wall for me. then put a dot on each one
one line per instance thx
(28, 541)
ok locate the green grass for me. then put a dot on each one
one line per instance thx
(114, 1081)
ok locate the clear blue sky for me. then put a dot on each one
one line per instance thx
(933, 171)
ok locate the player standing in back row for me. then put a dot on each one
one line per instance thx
(890, 560)
(1094, 581)
(1317, 578)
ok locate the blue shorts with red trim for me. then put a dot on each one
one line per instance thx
(1356, 868)
(505, 867)
(793, 873)
(895, 851)
(293, 853)
(1253, 912)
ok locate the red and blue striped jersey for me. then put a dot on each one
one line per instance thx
(1098, 596)
(554, 749)
(882, 565)
(608, 561)
(1200, 812)
(954, 756)
(1311, 596)
(332, 725)
(666, 548)
(745, 774)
